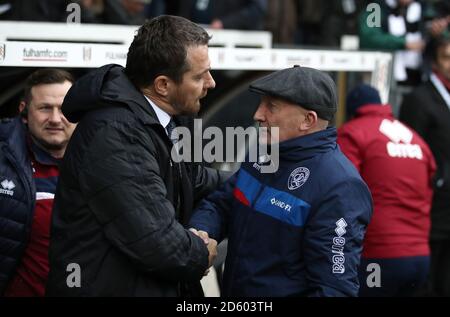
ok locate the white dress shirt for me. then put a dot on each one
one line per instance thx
(163, 117)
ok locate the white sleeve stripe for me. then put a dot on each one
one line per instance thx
(42, 196)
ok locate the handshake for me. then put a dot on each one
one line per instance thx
(211, 244)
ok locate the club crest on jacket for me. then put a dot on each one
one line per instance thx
(298, 177)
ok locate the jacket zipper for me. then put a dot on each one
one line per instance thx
(242, 242)
(257, 196)
(260, 192)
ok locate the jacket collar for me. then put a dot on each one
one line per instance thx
(443, 79)
(40, 155)
(308, 146)
(105, 87)
(13, 135)
(374, 110)
(13, 132)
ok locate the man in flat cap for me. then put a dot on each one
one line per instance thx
(299, 230)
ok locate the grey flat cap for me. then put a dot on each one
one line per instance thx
(307, 87)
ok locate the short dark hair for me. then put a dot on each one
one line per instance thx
(45, 76)
(160, 48)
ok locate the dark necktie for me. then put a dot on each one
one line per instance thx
(171, 132)
(173, 136)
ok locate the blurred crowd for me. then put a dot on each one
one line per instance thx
(403, 26)
(305, 22)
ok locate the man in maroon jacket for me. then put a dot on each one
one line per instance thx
(398, 167)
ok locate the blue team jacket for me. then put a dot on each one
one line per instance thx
(295, 232)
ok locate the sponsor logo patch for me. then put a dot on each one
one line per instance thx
(298, 177)
(337, 249)
(7, 187)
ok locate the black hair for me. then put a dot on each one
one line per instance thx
(160, 48)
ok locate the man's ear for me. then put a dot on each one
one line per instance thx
(23, 113)
(309, 121)
(162, 85)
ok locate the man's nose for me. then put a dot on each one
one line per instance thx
(56, 116)
(210, 83)
(259, 114)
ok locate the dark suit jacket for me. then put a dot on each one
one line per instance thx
(426, 112)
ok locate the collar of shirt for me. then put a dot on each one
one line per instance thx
(163, 117)
(443, 79)
(40, 155)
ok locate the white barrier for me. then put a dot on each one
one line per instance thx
(25, 44)
(116, 34)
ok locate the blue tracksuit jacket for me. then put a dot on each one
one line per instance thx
(295, 232)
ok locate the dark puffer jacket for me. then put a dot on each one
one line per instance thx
(17, 197)
(295, 232)
(114, 211)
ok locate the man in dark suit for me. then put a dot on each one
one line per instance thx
(122, 199)
(427, 110)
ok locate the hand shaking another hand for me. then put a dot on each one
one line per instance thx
(210, 243)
